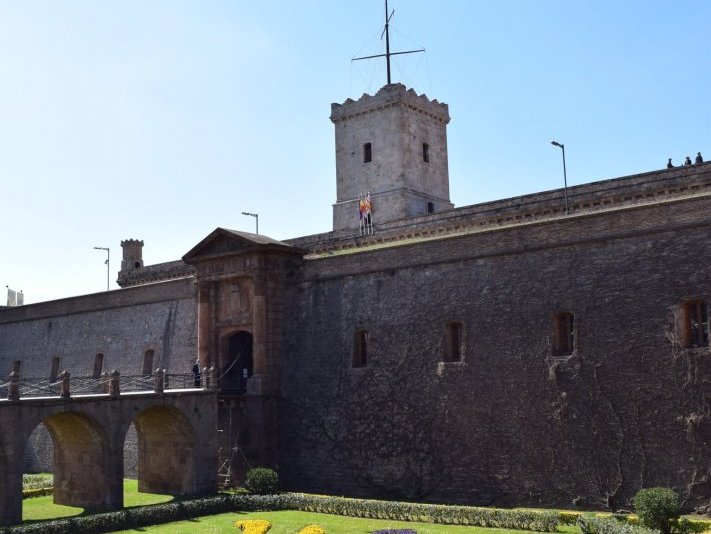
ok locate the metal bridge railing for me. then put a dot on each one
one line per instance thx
(37, 387)
(138, 382)
(15, 387)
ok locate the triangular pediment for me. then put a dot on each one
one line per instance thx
(222, 242)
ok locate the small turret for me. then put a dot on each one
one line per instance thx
(132, 255)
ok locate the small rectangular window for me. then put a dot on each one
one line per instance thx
(148, 362)
(98, 365)
(367, 153)
(564, 334)
(425, 152)
(360, 349)
(54, 372)
(430, 207)
(697, 324)
(455, 345)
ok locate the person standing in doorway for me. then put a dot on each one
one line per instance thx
(196, 372)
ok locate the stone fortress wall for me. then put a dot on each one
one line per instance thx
(122, 325)
(513, 421)
(131, 328)
(429, 360)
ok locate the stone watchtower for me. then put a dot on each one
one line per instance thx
(392, 145)
(132, 255)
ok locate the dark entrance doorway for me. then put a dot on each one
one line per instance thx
(237, 367)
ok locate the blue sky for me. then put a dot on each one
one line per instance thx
(162, 120)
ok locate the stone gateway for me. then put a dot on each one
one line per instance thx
(506, 353)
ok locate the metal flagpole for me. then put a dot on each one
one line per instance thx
(388, 53)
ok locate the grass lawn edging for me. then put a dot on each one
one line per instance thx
(131, 518)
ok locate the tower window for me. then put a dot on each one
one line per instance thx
(696, 324)
(430, 207)
(148, 362)
(98, 365)
(367, 153)
(425, 152)
(564, 334)
(455, 345)
(360, 349)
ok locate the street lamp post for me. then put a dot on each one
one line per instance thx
(107, 262)
(565, 176)
(256, 218)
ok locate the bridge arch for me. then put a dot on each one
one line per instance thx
(81, 461)
(88, 432)
(166, 442)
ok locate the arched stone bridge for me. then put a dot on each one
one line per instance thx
(176, 430)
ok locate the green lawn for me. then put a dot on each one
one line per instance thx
(289, 522)
(284, 522)
(41, 508)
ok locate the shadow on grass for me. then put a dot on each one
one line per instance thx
(39, 509)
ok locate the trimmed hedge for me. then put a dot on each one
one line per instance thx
(37, 480)
(36, 492)
(429, 513)
(609, 525)
(131, 518)
(683, 526)
(569, 518)
(690, 526)
(262, 481)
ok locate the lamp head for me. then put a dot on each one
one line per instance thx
(556, 143)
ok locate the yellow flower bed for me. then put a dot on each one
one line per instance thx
(312, 529)
(254, 526)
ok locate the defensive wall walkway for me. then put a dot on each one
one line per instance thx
(175, 417)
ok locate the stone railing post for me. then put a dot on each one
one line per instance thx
(205, 378)
(160, 381)
(213, 378)
(105, 382)
(115, 384)
(13, 392)
(64, 378)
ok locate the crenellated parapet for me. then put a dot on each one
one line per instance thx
(132, 254)
(395, 94)
(391, 146)
(159, 272)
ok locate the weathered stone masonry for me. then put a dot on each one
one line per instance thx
(122, 325)
(177, 445)
(332, 349)
(512, 423)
